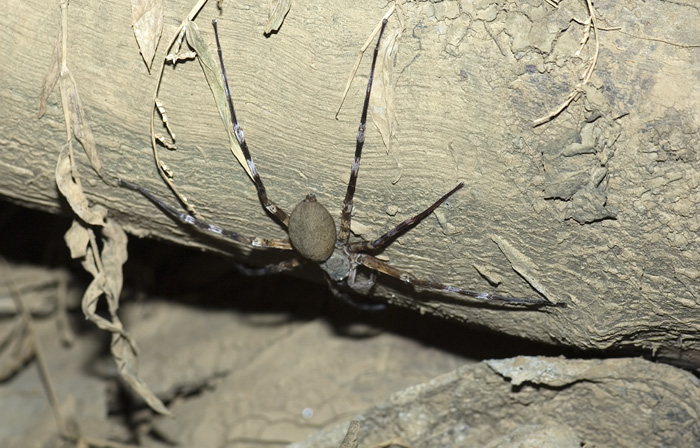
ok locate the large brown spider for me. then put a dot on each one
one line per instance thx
(312, 231)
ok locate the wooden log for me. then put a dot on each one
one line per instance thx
(596, 208)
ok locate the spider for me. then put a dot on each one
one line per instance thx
(312, 230)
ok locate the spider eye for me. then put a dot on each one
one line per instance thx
(312, 230)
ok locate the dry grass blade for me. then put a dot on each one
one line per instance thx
(67, 177)
(147, 22)
(215, 80)
(81, 240)
(114, 255)
(174, 43)
(278, 12)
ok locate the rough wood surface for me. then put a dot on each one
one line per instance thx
(598, 206)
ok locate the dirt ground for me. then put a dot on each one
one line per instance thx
(573, 125)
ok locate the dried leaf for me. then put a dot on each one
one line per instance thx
(127, 364)
(215, 81)
(77, 239)
(366, 45)
(92, 296)
(147, 21)
(277, 14)
(52, 76)
(96, 288)
(124, 350)
(382, 100)
(114, 255)
(106, 268)
(81, 127)
(92, 262)
(72, 190)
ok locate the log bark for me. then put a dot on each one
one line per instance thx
(596, 208)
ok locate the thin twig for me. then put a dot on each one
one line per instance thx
(38, 350)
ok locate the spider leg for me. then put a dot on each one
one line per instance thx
(344, 234)
(270, 206)
(398, 230)
(189, 219)
(276, 268)
(378, 265)
(342, 295)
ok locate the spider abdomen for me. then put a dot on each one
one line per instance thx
(312, 230)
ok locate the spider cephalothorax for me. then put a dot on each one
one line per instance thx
(312, 230)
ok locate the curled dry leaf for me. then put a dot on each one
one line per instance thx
(81, 127)
(147, 21)
(215, 80)
(124, 350)
(127, 363)
(77, 240)
(106, 269)
(72, 190)
(114, 255)
(278, 12)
